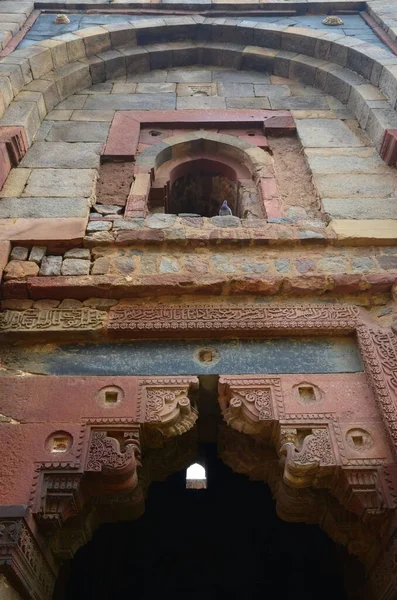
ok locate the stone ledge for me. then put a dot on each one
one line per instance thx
(54, 233)
(364, 232)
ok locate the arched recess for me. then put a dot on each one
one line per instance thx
(55, 69)
(245, 165)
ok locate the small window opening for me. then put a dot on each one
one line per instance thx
(111, 397)
(201, 194)
(196, 478)
(155, 133)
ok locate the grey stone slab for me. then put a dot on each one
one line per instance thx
(326, 133)
(57, 183)
(189, 76)
(200, 102)
(240, 77)
(361, 208)
(71, 131)
(131, 102)
(359, 185)
(37, 254)
(81, 253)
(62, 155)
(329, 162)
(156, 88)
(39, 208)
(272, 91)
(248, 103)
(156, 76)
(18, 252)
(236, 89)
(300, 103)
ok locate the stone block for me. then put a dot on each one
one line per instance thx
(40, 59)
(35, 97)
(74, 46)
(78, 132)
(14, 73)
(5, 248)
(364, 231)
(96, 39)
(63, 155)
(137, 60)
(361, 208)
(26, 115)
(101, 266)
(99, 226)
(326, 133)
(19, 253)
(6, 93)
(115, 63)
(121, 34)
(51, 232)
(65, 183)
(131, 102)
(46, 304)
(16, 304)
(51, 266)
(49, 91)
(71, 78)
(356, 185)
(15, 183)
(75, 266)
(378, 122)
(200, 103)
(97, 69)
(80, 253)
(40, 208)
(268, 35)
(261, 59)
(37, 254)
(20, 269)
(300, 40)
(58, 51)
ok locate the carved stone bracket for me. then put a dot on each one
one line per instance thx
(251, 405)
(168, 408)
(22, 560)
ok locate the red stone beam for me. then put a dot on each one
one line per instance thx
(123, 138)
(13, 146)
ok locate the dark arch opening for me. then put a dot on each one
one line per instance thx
(223, 542)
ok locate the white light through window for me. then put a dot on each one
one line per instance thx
(196, 477)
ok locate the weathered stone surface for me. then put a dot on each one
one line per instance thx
(365, 231)
(20, 269)
(169, 265)
(100, 303)
(50, 266)
(37, 254)
(388, 262)
(77, 183)
(326, 133)
(62, 155)
(131, 102)
(78, 132)
(362, 185)
(159, 221)
(226, 221)
(15, 183)
(19, 253)
(101, 266)
(57, 232)
(360, 208)
(46, 304)
(108, 209)
(75, 266)
(70, 303)
(81, 253)
(99, 226)
(37, 208)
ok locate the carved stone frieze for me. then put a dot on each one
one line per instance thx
(168, 408)
(174, 319)
(379, 351)
(37, 320)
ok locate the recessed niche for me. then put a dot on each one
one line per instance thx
(110, 396)
(59, 442)
(359, 439)
(307, 393)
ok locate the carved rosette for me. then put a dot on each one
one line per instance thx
(169, 410)
(251, 405)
